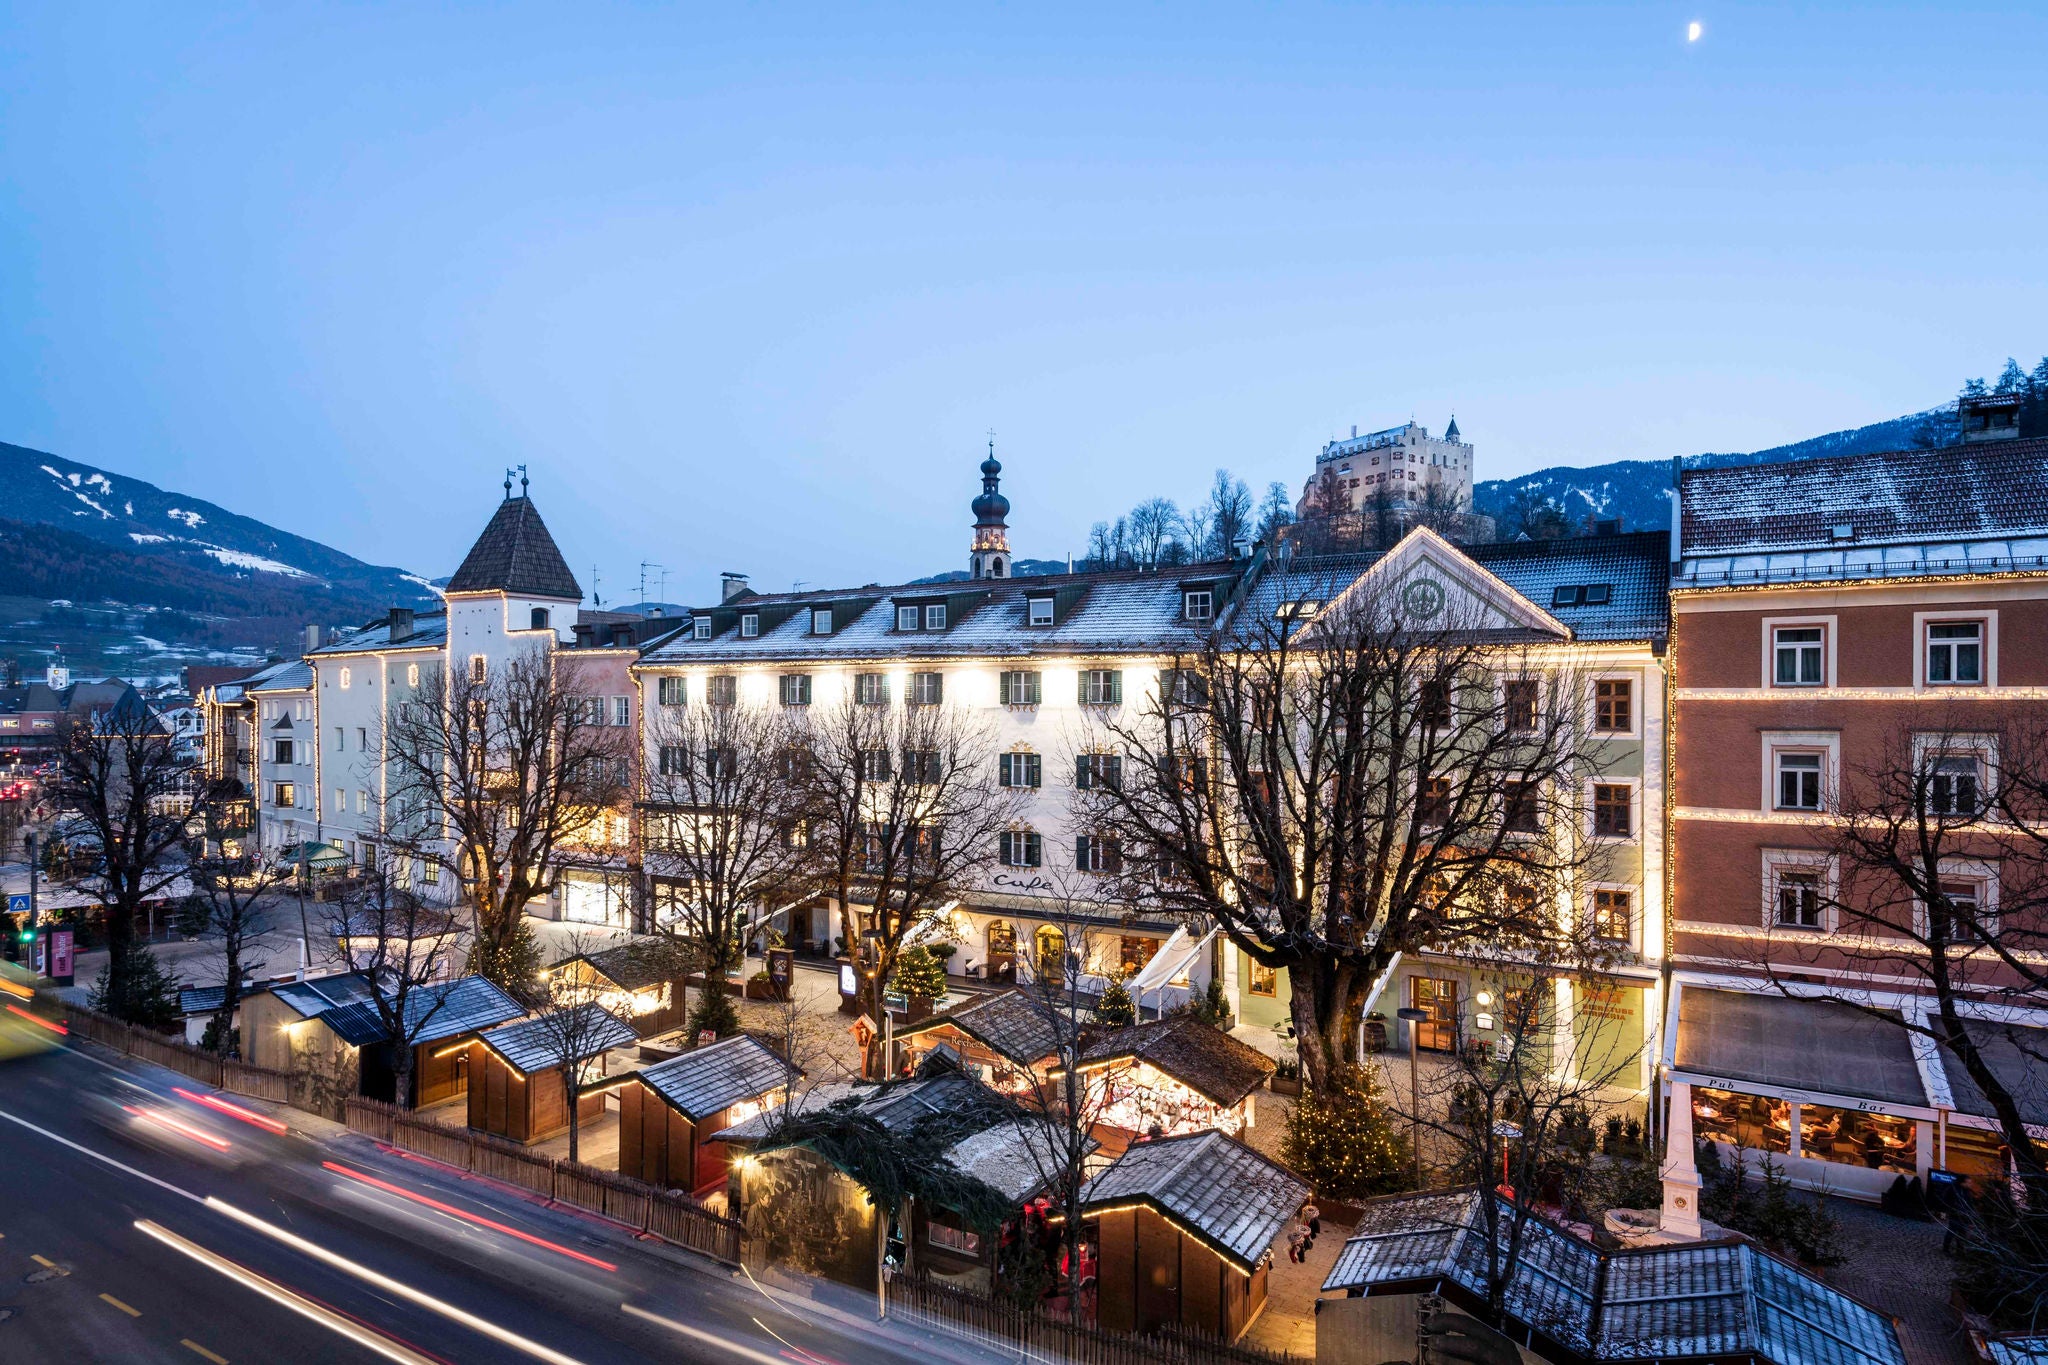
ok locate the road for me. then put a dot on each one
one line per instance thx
(142, 1224)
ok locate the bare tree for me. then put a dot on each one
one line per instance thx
(1341, 775)
(490, 771)
(402, 946)
(723, 831)
(121, 776)
(1276, 512)
(1155, 524)
(229, 894)
(1229, 513)
(1512, 1109)
(1060, 1111)
(1939, 846)
(903, 815)
(574, 1030)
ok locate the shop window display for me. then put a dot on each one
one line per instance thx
(1850, 1137)
(1757, 1122)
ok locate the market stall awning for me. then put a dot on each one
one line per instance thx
(1176, 956)
(2018, 1057)
(1792, 1044)
(312, 854)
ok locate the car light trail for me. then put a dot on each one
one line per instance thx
(38, 1020)
(298, 1303)
(744, 1352)
(391, 1286)
(232, 1110)
(16, 989)
(454, 1212)
(163, 1120)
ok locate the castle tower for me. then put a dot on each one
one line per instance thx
(991, 555)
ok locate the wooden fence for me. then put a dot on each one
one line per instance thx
(1000, 1324)
(669, 1215)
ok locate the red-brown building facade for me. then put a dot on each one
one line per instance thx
(1831, 620)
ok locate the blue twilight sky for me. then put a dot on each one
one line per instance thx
(744, 286)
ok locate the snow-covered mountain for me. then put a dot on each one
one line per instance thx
(1639, 491)
(37, 488)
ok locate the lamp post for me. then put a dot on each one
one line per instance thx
(1411, 1016)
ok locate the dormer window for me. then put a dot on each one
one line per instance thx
(701, 628)
(750, 625)
(1582, 595)
(1197, 604)
(1298, 609)
(1841, 531)
(935, 616)
(1038, 612)
(821, 621)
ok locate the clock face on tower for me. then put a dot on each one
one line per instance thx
(1422, 599)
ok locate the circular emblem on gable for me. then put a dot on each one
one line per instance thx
(1422, 598)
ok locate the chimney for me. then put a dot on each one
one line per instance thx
(401, 624)
(731, 585)
(1354, 431)
(1989, 417)
(1607, 526)
(1241, 548)
(312, 638)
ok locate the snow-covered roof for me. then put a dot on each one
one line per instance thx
(429, 631)
(1973, 508)
(1228, 1195)
(1702, 1299)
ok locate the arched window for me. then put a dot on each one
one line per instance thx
(1049, 952)
(540, 618)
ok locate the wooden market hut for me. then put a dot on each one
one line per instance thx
(330, 1026)
(629, 981)
(517, 1086)
(1172, 1076)
(1005, 1038)
(1184, 1230)
(440, 1017)
(799, 1204)
(664, 1109)
(1017, 1160)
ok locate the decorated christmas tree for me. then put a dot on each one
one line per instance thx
(1342, 1140)
(918, 973)
(1116, 1005)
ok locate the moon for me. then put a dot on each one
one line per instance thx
(1693, 31)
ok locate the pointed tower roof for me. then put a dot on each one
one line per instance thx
(1451, 431)
(516, 555)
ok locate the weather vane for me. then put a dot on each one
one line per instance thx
(520, 470)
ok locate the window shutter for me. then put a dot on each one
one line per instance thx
(1081, 851)
(1083, 778)
(1116, 687)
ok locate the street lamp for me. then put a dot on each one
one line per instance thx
(1412, 1016)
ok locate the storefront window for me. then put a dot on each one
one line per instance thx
(1136, 952)
(1757, 1122)
(1850, 1137)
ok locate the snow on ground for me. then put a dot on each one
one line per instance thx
(242, 560)
(415, 578)
(191, 519)
(140, 539)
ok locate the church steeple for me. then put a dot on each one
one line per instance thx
(991, 555)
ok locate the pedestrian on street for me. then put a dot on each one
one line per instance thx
(1314, 1216)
